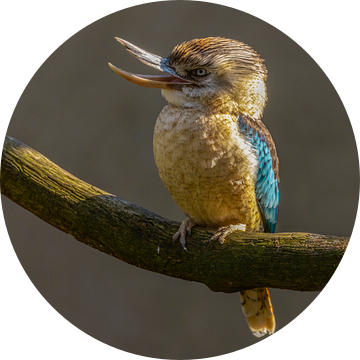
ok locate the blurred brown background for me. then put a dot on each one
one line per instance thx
(97, 126)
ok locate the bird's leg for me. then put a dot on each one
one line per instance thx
(185, 228)
(224, 231)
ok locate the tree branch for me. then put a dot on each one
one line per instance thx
(296, 261)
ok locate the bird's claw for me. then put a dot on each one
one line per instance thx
(224, 231)
(185, 228)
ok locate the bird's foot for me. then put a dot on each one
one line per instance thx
(224, 231)
(185, 229)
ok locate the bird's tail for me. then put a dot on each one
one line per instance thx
(256, 305)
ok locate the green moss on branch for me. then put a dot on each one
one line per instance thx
(296, 261)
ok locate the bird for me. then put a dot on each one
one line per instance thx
(213, 153)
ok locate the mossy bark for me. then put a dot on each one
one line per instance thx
(296, 261)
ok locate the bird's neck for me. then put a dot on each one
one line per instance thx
(251, 97)
(249, 100)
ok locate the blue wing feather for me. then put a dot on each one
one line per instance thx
(267, 182)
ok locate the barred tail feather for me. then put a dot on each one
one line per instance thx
(256, 305)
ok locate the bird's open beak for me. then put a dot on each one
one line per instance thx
(169, 81)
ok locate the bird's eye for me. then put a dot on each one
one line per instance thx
(201, 72)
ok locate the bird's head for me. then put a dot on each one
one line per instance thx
(214, 73)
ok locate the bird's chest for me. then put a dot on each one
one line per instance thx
(205, 163)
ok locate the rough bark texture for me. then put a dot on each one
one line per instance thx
(296, 261)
